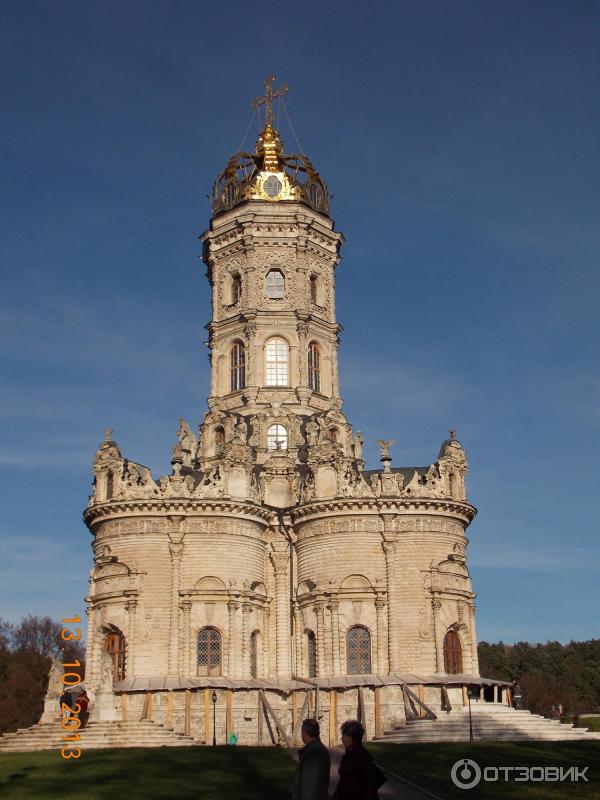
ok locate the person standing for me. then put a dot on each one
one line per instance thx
(360, 777)
(66, 699)
(312, 773)
(84, 714)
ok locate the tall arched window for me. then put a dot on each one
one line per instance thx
(276, 362)
(311, 654)
(314, 367)
(237, 369)
(209, 651)
(110, 484)
(277, 437)
(236, 289)
(254, 642)
(116, 647)
(275, 284)
(334, 434)
(452, 654)
(358, 651)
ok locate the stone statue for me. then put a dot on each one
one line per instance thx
(357, 446)
(312, 432)
(55, 684)
(384, 447)
(187, 443)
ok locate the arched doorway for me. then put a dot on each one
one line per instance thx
(453, 664)
(116, 647)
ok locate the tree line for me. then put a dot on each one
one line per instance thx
(26, 652)
(549, 674)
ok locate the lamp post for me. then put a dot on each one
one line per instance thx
(469, 694)
(214, 702)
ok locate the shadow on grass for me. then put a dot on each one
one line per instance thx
(222, 773)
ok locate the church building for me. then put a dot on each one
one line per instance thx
(271, 575)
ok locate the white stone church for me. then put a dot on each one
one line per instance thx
(270, 572)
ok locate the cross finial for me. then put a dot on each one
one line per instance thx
(108, 434)
(267, 100)
(452, 434)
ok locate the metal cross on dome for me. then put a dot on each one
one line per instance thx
(267, 100)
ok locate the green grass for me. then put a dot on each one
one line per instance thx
(589, 722)
(177, 773)
(428, 765)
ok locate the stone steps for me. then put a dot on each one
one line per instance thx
(96, 735)
(492, 724)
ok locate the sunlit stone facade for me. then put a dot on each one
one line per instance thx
(270, 552)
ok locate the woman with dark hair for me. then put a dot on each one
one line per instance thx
(360, 777)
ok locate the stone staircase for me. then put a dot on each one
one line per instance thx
(49, 736)
(491, 722)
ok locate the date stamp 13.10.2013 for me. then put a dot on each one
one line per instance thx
(70, 721)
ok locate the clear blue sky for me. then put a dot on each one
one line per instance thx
(460, 140)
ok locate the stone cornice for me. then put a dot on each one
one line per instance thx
(400, 506)
(185, 506)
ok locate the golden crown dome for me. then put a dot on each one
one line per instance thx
(268, 174)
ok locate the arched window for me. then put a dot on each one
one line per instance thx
(358, 651)
(237, 369)
(277, 437)
(236, 289)
(219, 439)
(275, 284)
(452, 485)
(116, 647)
(276, 362)
(452, 654)
(314, 367)
(311, 654)
(334, 434)
(209, 651)
(110, 484)
(254, 642)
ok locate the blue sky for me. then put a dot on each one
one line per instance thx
(460, 142)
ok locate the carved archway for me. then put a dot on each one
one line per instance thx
(453, 661)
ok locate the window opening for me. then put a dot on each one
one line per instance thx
(275, 284)
(238, 367)
(277, 437)
(276, 362)
(209, 652)
(358, 651)
(314, 367)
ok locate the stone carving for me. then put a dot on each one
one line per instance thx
(137, 482)
(187, 442)
(106, 672)
(211, 483)
(357, 446)
(55, 684)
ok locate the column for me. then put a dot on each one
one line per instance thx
(335, 378)
(186, 662)
(334, 607)
(176, 551)
(232, 608)
(392, 553)
(250, 354)
(282, 613)
(298, 660)
(328, 644)
(130, 607)
(320, 612)
(246, 611)
(302, 329)
(382, 649)
(439, 635)
(473, 634)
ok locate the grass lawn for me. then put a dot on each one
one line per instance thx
(429, 765)
(185, 773)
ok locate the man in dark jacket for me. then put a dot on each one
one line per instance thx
(312, 774)
(359, 777)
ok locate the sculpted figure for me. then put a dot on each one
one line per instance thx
(55, 684)
(357, 446)
(312, 432)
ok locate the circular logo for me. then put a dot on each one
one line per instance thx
(465, 773)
